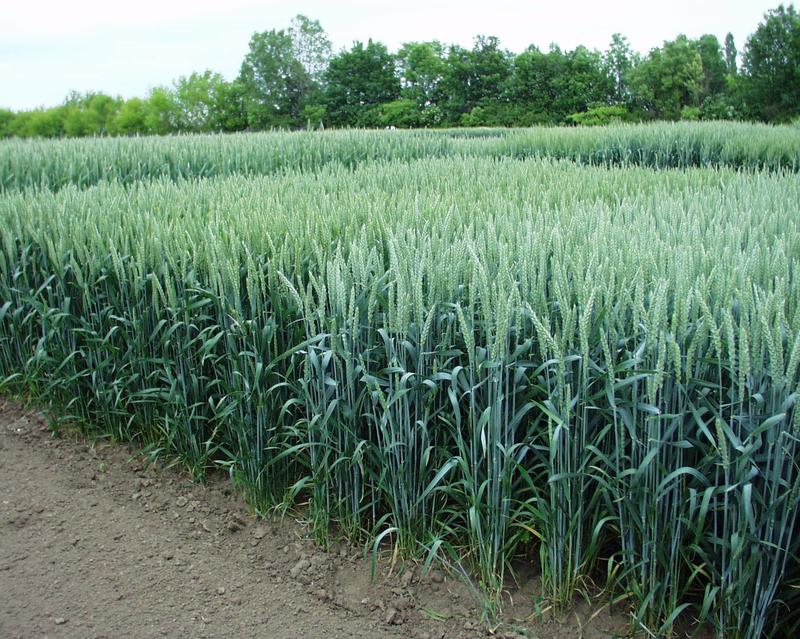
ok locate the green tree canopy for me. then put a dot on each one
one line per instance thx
(312, 46)
(731, 54)
(131, 118)
(6, 117)
(620, 60)
(715, 69)
(585, 84)
(162, 111)
(89, 114)
(550, 86)
(200, 100)
(422, 66)
(358, 81)
(290, 79)
(669, 79)
(275, 85)
(533, 82)
(475, 77)
(772, 66)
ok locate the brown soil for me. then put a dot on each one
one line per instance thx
(93, 543)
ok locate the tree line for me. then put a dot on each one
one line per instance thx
(291, 78)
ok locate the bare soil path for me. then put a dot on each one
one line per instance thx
(95, 544)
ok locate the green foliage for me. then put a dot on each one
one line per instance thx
(532, 82)
(587, 82)
(714, 67)
(772, 66)
(290, 80)
(314, 115)
(731, 54)
(201, 102)
(275, 83)
(422, 68)
(42, 123)
(669, 79)
(232, 115)
(477, 117)
(619, 59)
(603, 115)
(557, 83)
(720, 107)
(690, 113)
(403, 114)
(312, 47)
(6, 117)
(475, 77)
(357, 82)
(90, 114)
(132, 118)
(162, 112)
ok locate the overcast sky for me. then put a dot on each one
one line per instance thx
(49, 47)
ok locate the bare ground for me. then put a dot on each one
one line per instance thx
(95, 544)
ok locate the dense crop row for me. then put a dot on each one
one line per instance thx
(475, 359)
(54, 164)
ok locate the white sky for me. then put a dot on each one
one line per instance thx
(48, 47)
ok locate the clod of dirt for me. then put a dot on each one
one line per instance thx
(407, 578)
(260, 532)
(436, 576)
(319, 560)
(235, 523)
(60, 621)
(404, 604)
(299, 567)
(392, 617)
(323, 595)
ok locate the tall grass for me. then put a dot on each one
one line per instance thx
(467, 358)
(53, 164)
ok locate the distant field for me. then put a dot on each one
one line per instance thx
(55, 163)
(473, 346)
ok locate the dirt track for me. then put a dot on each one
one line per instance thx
(93, 544)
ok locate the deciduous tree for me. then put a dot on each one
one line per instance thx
(772, 66)
(475, 77)
(312, 46)
(200, 100)
(422, 67)
(275, 83)
(358, 81)
(669, 79)
(620, 60)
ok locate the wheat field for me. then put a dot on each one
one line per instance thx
(575, 348)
